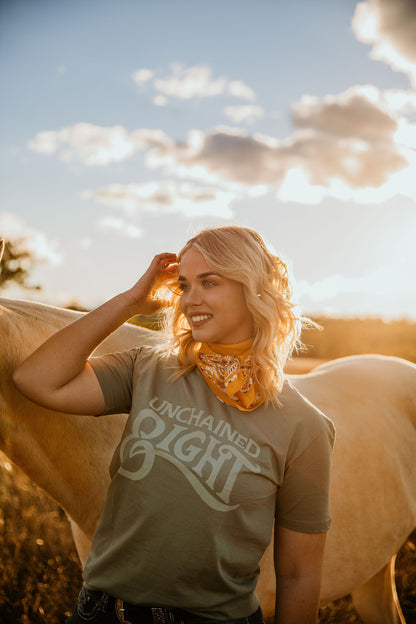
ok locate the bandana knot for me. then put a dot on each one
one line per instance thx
(227, 369)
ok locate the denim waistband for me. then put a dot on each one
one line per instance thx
(97, 607)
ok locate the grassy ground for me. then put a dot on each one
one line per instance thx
(39, 571)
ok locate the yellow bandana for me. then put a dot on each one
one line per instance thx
(227, 369)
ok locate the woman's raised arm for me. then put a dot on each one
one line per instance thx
(57, 375)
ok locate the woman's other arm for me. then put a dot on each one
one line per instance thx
(57, 375)
(298, 565)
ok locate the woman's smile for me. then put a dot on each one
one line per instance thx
(198, 319)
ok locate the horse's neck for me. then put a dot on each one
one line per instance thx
(55, 450)
(23, 326)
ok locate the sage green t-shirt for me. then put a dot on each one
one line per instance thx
(196, 485)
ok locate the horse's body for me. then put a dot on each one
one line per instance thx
(371, 399)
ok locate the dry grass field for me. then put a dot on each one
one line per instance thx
(39, 571)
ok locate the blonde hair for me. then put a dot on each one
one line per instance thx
(240, 254)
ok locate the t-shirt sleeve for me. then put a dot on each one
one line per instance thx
(303, 498)
(114, 372)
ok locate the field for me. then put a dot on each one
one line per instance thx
(39, 571)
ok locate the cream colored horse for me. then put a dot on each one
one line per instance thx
(371, 399)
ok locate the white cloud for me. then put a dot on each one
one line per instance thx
(297, 188)
(142, 75)
(399, 101)
(114, 224)
(390, 26)
(405, 134)
(160, 100)
(186, 83)
(95, 145)
(43, 248)
(45, 142)
(165, 197)
(239, 89)
(246, 113)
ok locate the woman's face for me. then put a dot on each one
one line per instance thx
(213, 305)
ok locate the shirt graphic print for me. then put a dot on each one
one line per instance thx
(209, 452)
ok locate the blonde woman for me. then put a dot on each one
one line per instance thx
(216, 448)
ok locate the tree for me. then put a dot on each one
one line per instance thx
(16, 264)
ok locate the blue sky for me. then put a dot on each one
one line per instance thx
(127, 126)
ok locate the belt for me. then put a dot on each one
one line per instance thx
(136, 614)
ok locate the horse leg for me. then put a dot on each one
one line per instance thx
(376, 602)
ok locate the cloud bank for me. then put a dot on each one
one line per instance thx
(347, 140)
(342, 146)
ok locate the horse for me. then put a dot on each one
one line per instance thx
(371, 400)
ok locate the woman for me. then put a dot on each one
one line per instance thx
(217, 445)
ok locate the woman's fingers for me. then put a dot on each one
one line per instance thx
(161, 262)
(166, 258)
(167, 265)
(163, 267)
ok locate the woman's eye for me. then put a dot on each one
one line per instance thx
(179, 288)
(208, 283)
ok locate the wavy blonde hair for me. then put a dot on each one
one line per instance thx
(240, 254)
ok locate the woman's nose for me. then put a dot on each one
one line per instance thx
(193, 296)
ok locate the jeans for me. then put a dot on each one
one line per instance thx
(96, 607)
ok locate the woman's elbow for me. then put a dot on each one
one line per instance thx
(25, 381)
(19, 379)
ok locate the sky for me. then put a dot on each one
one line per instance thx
(128, 126)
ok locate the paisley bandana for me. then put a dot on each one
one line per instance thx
(227, 369)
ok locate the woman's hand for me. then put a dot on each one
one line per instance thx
(144, 296)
